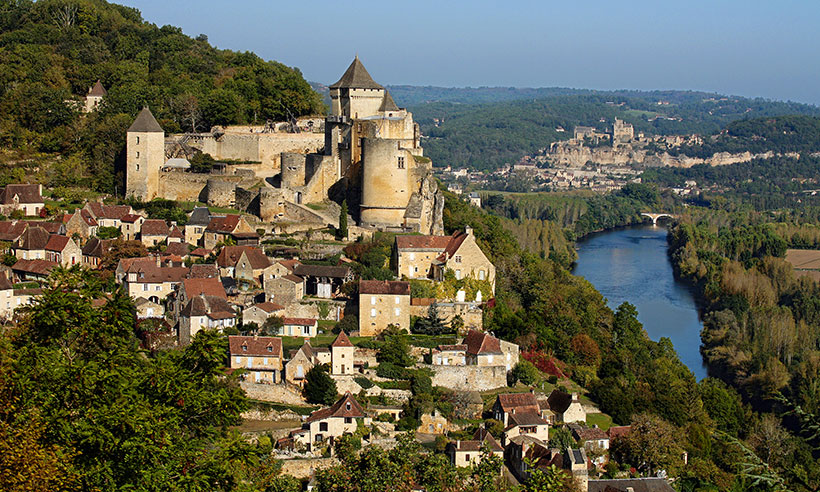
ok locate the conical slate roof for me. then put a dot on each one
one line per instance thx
(97, 89)
(356, 77)
(145, 122)
(388, 104)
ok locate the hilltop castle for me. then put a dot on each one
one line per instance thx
(367, 151)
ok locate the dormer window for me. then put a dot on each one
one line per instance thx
(244, 348)
(347, 406)
(270, 349)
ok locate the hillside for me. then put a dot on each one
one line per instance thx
(52, 52)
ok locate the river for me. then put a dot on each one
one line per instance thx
(631, 265)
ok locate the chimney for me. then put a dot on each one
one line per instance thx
(159, 261)
(630, 489)
(574, 396)
(458, 444)
(468, 230)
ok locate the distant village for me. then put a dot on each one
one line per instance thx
(288, 312)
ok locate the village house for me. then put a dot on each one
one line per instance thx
(220, 228)
(383, 303)
(260, 312)
(94, 250)
(176, 248)
(471, 313)
(51, 227)
(433, 423)
(303, 361)
(35, 270)
(27, 198)
(153, 232)
(468, 453)
(432, 256)
(450, 355)
(148, 309)
(32, 244)
(131, 226)
(193, 287)
(280, 268)
(299, 327)
(150, 279)
(195, 227)
(284, 290)
(477, 349)
(327, 424)
(526, 424)
(341, 355)
(594, 440)
(108, 215)
(507, 404)
(63, 250)
(204, 312)
(95, 95)
(242, 262)
(261, 357)
(323, 280)
(80, 224)
(175, 235)
(524, 453)
(12, 230)
(646, 484)
(567, 407)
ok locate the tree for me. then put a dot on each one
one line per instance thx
(395, 351)
(432, 324)
(347, 324)
(342, 231)
(108, 232)
(319, 386)
(652, 444)
(561, 438)
(525, 372)
(122, 249)
(273, 326)
(550, 479)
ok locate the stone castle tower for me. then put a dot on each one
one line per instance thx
(145, 149)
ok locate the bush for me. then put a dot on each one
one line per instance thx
(319, 386)
(391, 371)
(552, 379)
(347, 324)
(525, 372)
(363, 382)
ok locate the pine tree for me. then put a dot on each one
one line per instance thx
(342, 231)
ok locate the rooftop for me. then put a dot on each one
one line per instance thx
(356, 77)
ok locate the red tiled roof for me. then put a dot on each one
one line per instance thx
(229, 257)
(438, 243)
(293, 278)
(560, 401)
(178, 249)
(37, 267)
(299, 321)
(347, 406)
(154, 227)
(130, 218)
(201, 252)
(207, 286)
(526, 418)
(341, 340)
(455, 242)
(451, 348)
(5, 283)
(269, 307)
(214, 307)
(388, 287)
(619, 431)
(26, 193)
(33, 238)
(289, 264)
(101, 211)
(204, 270)
(255, 346)
(330, 271)
(225, 224)
(56, 243)
(521, 402)
(11, 231)
(51, 227)
(176, 233)
(591, 434)
(481, 343)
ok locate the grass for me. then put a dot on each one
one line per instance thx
(281, 407)
(602, 420)
(315, 206)
(289, 343)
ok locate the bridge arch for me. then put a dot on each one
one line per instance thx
(655, 217)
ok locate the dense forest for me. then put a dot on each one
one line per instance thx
(52, 51)
(489, 135)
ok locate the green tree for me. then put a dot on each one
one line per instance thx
(342, 231)
(319, 386)
(432, 324)
(395, 351)
(561, 438)
(525, 372)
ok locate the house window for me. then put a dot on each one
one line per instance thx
(481, 274)
(373, 313)
(138, 140)
(348, 420)
(412, 256)
(467, 457)
(397, 312)
(401, 162)
(347, 406)
(244, 348)
(138, 167)
(323, 426)
(145, 287)
(138, 154)
(458, 258)
(270, 349)
(373, 300)
(398, 301)
(239, 360)
(157, 288)
(265, 361)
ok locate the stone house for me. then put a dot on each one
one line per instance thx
(195, 227)
(52, 227)
(150, 279)
(433, 423)
(220, 228)
(450, 355)
(63, 250)
(323, 280)
(32, 244)
(95, 95)
(477, 349)
(284, 290)
(36, 270)
(242, 262)
(432, 256)
(507, 404)
(80, 224)
(260, 356)
(327, 424)
(524, 453)
(468, 453)
(204, 312)
(25, 197)
(193, 287)
(303, 361)
(594, 440)
(567, 407)
(260, 312)
(299, 327)
(471, 313)
(148, 309)
(94, 250)
(177, 248)
(108, 215)
(12, 230)
(526, 424)
(341, 355)
(154, 232)
(175, 235)
(131, 226)
(383, 303)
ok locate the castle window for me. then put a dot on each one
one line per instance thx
(401, 162)
(138, 140)
(138, 154)
(138, 167)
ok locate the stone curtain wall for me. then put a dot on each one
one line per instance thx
(264, 148)
(277, 393)
(468, 378)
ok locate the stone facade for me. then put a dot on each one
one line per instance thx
(383, 303)
(468, 378)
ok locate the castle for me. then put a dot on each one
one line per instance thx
(367, 151)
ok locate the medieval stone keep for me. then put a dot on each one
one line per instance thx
(367, 151)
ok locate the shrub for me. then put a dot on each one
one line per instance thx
(363, 382)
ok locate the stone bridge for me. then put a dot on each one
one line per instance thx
(655, 217)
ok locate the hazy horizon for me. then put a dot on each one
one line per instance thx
(750, 49)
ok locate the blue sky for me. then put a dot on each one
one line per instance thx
(751, 48)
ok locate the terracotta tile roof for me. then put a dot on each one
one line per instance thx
(130, 218)
(388, 287)
(299, 321)
(56, 243)
(322, 271)
(154, 227)
(88, 218)
(5, 283)
(97, 89)
(293, 278)
(560, 401)
(224, 224)
(483, 436)
(177, 249)
(269, 307)
(526, 418)
(150, 273)
(451, 348)
(214, 307)
(437, 243)
(25, 193)
(341, 341)
(481, 343)
(649, 484)
(28, 292)
(176, 233)
(422, 301)
(204, 270)
(240, 345)
(590, 434)
(201, 252)
(347, 406)
(11, 231)
(480, 437)
(455, 242)
(33, 238)
(618, 431)
(207, 286)
(101, 211)
(518, 402)
(289, 264)
(36, 267)
(230, 255)
(51, 227)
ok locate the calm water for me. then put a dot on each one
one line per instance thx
(631, 265)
